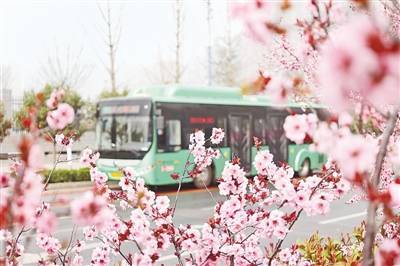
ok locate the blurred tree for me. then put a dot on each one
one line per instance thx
(110, 94)
(168, 67)
(64, 70)
(178, 40)
(112, 33)
(5, 124)
(162, 71)
(227, 62)
(84, 115)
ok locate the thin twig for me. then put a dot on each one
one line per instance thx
(52, 170)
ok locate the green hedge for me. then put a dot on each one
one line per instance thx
(68, 175)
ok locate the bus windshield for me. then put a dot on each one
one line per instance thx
(124, 132)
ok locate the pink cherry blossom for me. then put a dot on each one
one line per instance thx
(49, 244)
(345, 119)
(90, 209)
(128, 172)
(355, 154)
(217, 135)
(162, 203)
(319, 206)
(90, 232)
(233, 180)
(296, 128)
(79, 245)
(46, 222)
(254, 15)
(101, 256)
(388, 253)
(364, 67)
(63, 141)
(66, 113)
(89, 158)
(55, 97)
(35, 157)
(4, 180)
(279, 89)
(263, 163)
(98, 177)
(285, 255)
(197, 137)
(61, 117)
(52, 101)
(394, 190)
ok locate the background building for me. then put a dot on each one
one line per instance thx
(7, 100)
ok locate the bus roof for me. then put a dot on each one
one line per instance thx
(207, 95)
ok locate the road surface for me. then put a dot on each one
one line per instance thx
(196, 206)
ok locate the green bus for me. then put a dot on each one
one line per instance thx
(149, 131)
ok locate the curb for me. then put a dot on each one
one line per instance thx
(65, 185)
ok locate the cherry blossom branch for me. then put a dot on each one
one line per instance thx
(209, 192)
(187, 164)
(16, 242)
(177, 251)
(280, 242)
(52, 170)
(116, 248)
(138, 247)
(370, 229)
(180, 183)
(70, 242)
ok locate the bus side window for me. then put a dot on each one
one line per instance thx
(260, 129)
(169, 137)
(161, 136)
(173, 133)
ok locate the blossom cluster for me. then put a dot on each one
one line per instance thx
(300, 127)
(61, 114)
(203, 156)
(22, 206)
(250, 225)
(235, 231)
(367, 67)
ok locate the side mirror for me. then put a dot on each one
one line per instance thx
(173, 130)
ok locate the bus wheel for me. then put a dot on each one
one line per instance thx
(305, 169)
(204, 179)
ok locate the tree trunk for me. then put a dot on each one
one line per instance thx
(370, 232)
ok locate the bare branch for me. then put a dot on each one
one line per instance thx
(64, 70)
(113, 34)
(178, 30)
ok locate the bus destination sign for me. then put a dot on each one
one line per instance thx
(120, 109)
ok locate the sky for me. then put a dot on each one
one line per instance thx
(33, 31)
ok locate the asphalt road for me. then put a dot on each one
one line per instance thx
(196, 206)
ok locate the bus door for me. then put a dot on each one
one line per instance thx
(276, 138)
(240, 138)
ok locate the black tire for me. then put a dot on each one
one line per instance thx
(305, 169)
(204, 179)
